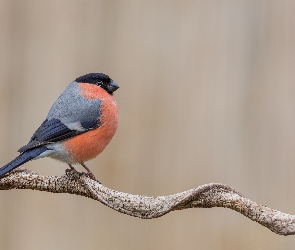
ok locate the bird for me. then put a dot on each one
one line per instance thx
(78, 127)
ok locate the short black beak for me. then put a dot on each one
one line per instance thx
(113, 86)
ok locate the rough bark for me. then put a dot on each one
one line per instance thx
(205, 196)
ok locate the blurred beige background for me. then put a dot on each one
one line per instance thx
(207, 95)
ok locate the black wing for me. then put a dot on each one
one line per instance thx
(54, 130)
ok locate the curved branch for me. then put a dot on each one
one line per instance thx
(205, 196)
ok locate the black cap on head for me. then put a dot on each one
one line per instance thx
(99, 79)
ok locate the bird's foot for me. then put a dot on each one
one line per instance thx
(71, 167)
(90, 174)
(73, 174)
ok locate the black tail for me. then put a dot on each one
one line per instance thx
(21, 159)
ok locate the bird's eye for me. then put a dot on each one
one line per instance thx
(99, 83)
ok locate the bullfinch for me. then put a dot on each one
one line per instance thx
(78, 127)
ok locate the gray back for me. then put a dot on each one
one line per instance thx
(71, 106)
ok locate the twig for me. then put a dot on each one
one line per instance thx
(205, 196)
